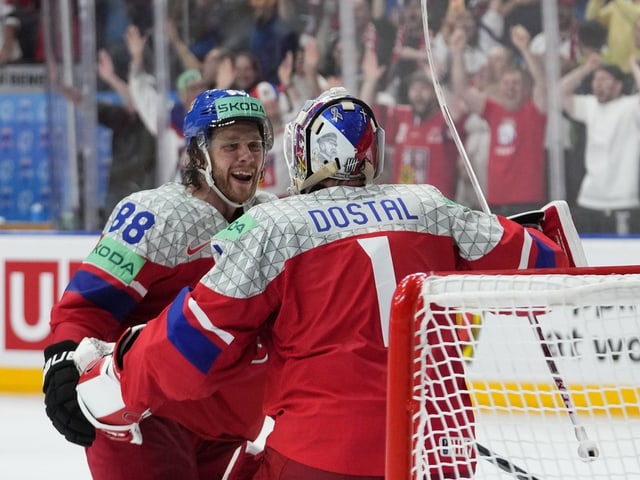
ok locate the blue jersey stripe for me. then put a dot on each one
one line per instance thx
(102, 294)
(190, 342)
(546, 256)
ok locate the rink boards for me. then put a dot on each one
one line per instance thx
(36, 267)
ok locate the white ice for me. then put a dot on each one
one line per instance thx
(30, 448)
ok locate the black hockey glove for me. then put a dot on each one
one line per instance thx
(60, 381)
(532, 219)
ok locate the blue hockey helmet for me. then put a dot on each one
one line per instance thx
(221, 108)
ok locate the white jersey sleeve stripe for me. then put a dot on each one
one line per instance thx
(206, 324)
(526, 251)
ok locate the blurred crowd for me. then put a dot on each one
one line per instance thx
(489, 57)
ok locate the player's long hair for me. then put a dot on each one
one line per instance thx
(192, 176)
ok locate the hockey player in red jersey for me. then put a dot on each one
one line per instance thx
(313, 274)
(155, 243)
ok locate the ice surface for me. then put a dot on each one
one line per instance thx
(30, 448)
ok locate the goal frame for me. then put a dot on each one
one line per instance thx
(401, 406)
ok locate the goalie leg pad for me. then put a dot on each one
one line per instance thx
(558, 225)
(555, 221)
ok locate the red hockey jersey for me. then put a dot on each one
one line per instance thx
(155, 243)
(317, 272)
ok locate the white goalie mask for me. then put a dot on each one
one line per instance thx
(334, 136)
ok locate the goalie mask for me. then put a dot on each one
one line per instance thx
(334, 136)
(222, 108)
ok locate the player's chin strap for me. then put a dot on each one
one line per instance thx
(326, 171)
(208, 176)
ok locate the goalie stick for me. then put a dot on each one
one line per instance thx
(447, 115)
(504, 463)
(587, 449)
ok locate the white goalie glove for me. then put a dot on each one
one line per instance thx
(99, 392)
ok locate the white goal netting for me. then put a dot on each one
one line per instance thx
(529, 376)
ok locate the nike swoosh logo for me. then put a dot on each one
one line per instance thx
(261, 354)
(193, 250)
(258, 361)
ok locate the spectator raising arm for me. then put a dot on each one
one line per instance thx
(9, 28)
(187, 58)
(472, 96)
(571, 80)
(372, 72)
(142, 84)
(108, 74)
(520, 38)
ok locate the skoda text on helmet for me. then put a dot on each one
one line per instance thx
(334, 136)
(222, 108)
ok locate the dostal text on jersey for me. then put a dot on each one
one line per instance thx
(350, 214)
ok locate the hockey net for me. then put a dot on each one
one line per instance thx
(528, 375)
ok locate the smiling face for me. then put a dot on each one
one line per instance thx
(498, 58)
(513, 87)
(237, 154)
(422, 96)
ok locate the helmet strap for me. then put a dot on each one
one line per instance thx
(208, 176)
(327, 170)
(369, 173)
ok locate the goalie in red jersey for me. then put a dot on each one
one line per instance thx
(313, 275)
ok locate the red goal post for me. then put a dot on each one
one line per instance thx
(540, 366)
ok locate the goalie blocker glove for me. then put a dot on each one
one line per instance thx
(59, 387)
(556, 222)
(99, 392)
